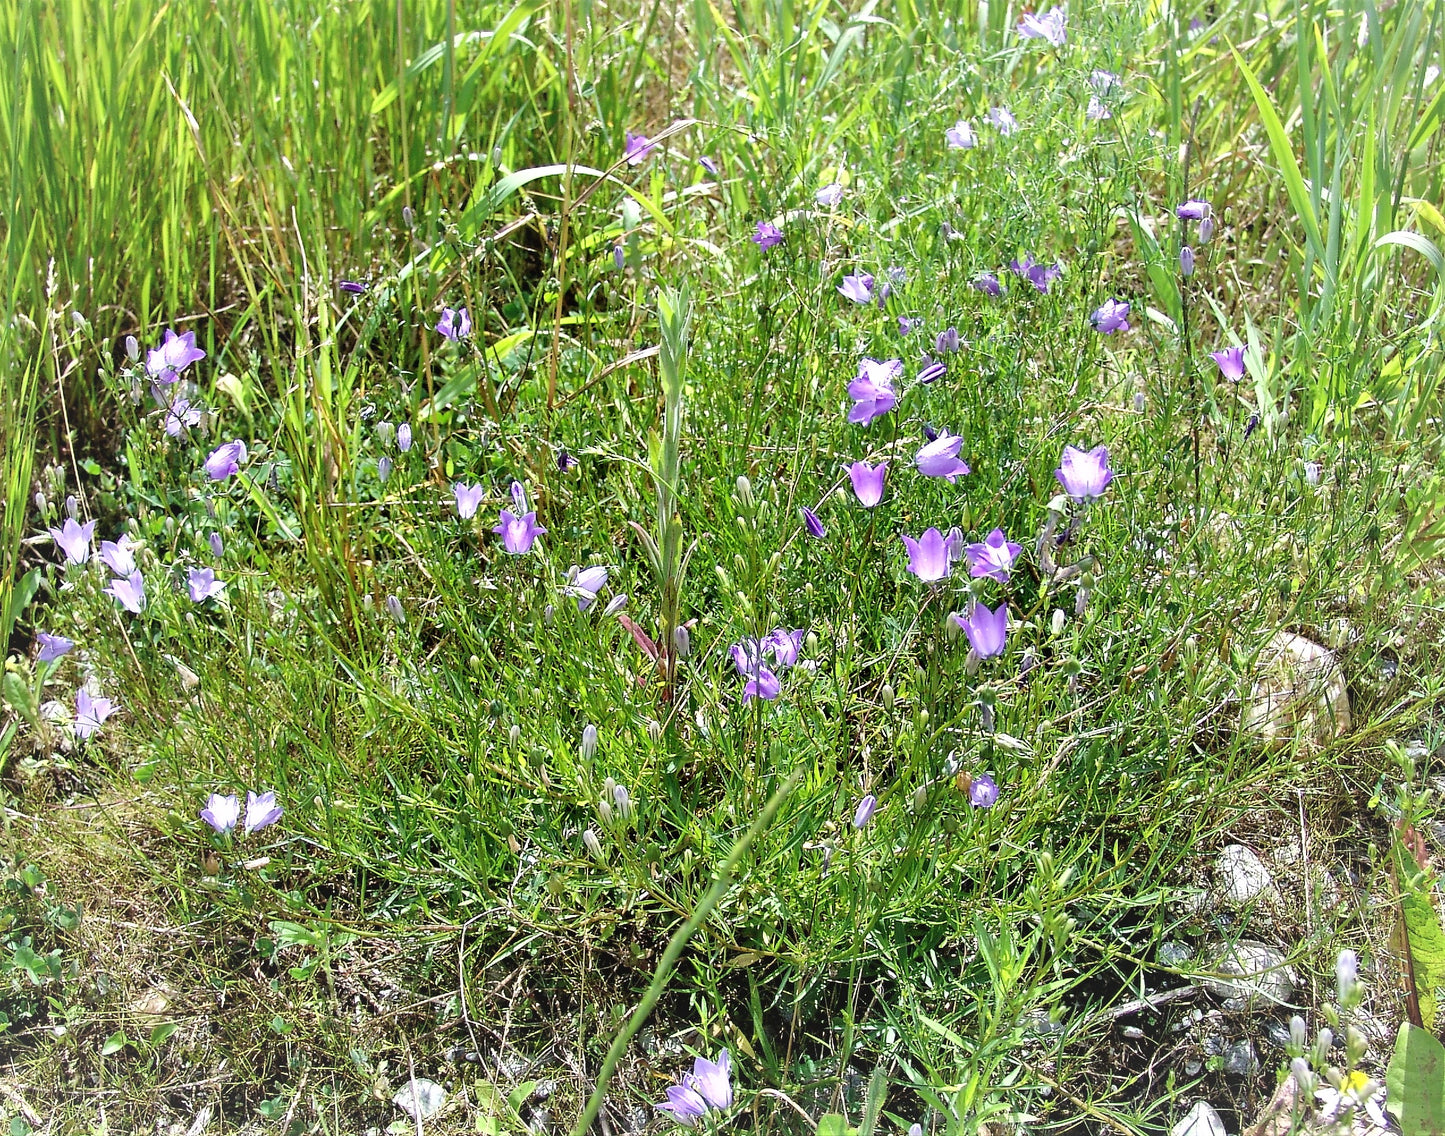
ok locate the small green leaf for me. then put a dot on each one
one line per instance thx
(163, 1033)
(832, 1124)
(1415, 1082)
(114, 1043)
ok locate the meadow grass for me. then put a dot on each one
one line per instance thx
(457, 889)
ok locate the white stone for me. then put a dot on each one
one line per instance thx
(1242, 874)
(1201, 1120)
(1250, 975)
(421, 1099)
(1300, 691)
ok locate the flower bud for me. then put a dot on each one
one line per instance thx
(745, 494)
(886, 696)
(1140, 402)
(810, 643)
(1312, 473)
(604, 811)
(1347, 976)
(386, 434)
(514, 735)
(589, 742)
(623, 800)
(72, 507)
(654, 729)
(1206, 229)
(1324, 1042)
(681, 642)
(41, 504)
(1298, 1038)
(383, 468)
(395, 610)
(1303, 1077)
(1056, 621)
(1186, 261)
(615, 604)
(408, 218)
(920, 798)
(132, 348)
(594, 845)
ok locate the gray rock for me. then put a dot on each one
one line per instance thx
(420, 1099)
(1249, 975)
(1174, 953)
(1242, 875)
(1277, 1032)
(1240, 1060)
(1201, 1120)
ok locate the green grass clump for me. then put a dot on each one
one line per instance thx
(542, 848)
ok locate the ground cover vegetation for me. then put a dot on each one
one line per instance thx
(542, 542)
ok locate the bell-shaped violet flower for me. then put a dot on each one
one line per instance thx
(928, 556)
(987, 283)
(52, 647)
(830, 195)
(784, 646)
(91, 713)
(812, 524)
(467, 497)
(165, 363)
(130, 591)
(518, 533)
(868, 482)
(74, 540)
(767, 236)
(858, 288)
(994, 556)
(684, 1102)
(222, 811)
(939, 458)
(865, 810)
(1084, 474)
(1002, 120)
(983, 792)
(1186, 261)
(218, 546)
(203, 585)
(710, 165)
(403, 437)
(1038, 274)
(1192, 210)
(747, 656)
(713, 1080)
(225, 460)
(118, 555)
(947, 340)
(588, 583)
(1049, 26)
(454, 324)
(1231, 362)
(181, 415)
(261, 811)
(986, 629)
(1097, 110)
(1111, 316)
(872, 391)
(764, 685)
(637, 148)
(960, 135)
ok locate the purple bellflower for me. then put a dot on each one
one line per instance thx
(928, 556)
(939, 458)
(118, 555)
(784, 646)
(864, 813)
(684, 1102)
(1193, 210)
(960, 136)
(947, 341)
(994, 556)
(403, 437)
(518, 533)
(203, 585)
(1097, 110)
(225, 460)
(218, 546)
(747, 656)
(130, 591)
(165, 363)
(352, 287)
(983, 792)
(1049, 26)
(261, 811)
(52, 647)
(829, 196)
(1231, 362)
(90, 713)
(1186, 261)
(988, 283)
(1039, 275)
(767, 236)
(1206, 229)
(813, 524)
(588, 583)
(931, 370)
(872, 391)
(710, 166)
(637, 148)
(868, 482)
(1111, 316)
(468, 497)
(181, 415)
(1002, 120)
(454, 324)
(222, 811)
(713, 1080)
(1084, 474)
(986, 630)
(858, 288)
(74, 540)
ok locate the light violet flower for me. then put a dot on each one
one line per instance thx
(225, 460)
(454, 324)
(518, 533)
(764, 685)
(1097, 110)
(812, 524)
(1105, 82)
(130, 592)
(710, 166)
(931, 370)
(684, 1102)
(181, 415)
(747, 656)
(872, 391)
(1002, 120)
(986, 629)
(783, 645)
(939, 458)
(467, 497)
(165, 363)
(637, 148)
(352, 287)
(74, 540)
(383, 468)
(261, 811)
(1186, 260)
(222, 812)
(1206, 229)
(1231, 362)
(988, 283)
(829, 195)
(928, 556)
(403, 437)
(993, 557)
(118, 555)
(1049, 26)
(1111, 316)
(90, 713)
(960, 135)
(1193, 210)
(218, 547)
(858, 288)
(864, 813)
(203, 585)
(907, 324)
(1084, 474)
(767, 236)
(868, 482)
(946, 341)
(1037, 274)
(983, 792)
(52, 647)
(713, 1080)
(588, 583)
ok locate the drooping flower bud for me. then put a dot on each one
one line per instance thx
(589, 742)
(594, 845)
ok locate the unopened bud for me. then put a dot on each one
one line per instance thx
(395, 610)
(132, 348)
(654, 729)
(604, 811)
(1056, 621)
(514, 735)
(615, 604)
(886, 697)
(623, 800)
(1303, 1077)
(745, 494)
(1206, 229)
(589, 838)
(408, 217)
(1324, 1042)
(589, 742)
(1298, 1038)
(681, 642)
(383, 468)
(920, 798)
(72, 507)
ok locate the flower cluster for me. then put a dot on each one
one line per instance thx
(708, 1086)
(223, 811)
